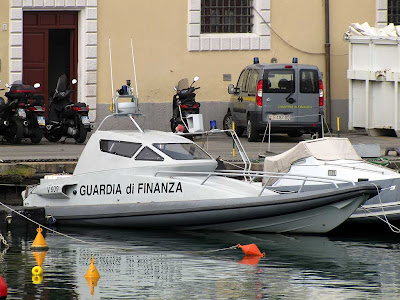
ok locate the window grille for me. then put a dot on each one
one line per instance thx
(394, 12)
(226, 16)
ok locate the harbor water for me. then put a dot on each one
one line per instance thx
(201, 265)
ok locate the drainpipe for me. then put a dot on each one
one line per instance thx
(327, 65)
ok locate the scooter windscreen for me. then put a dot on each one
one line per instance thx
(62, 83)
(183, 84)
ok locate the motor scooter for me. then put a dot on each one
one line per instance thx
(183, 104)
(15, 122)
(66, 119)
(30, 109)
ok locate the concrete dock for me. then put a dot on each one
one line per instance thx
(47, 157)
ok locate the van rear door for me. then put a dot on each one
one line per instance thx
(279, 95)
(308, 95)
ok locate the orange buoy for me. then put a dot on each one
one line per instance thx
(39, 244)
(92, 282)
(3, 288)
(251, 260)
(251, 249)
(39, 257)
(92, 271)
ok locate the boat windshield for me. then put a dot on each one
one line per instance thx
(185, 151)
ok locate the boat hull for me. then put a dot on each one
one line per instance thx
(385, 205)
(308, 212)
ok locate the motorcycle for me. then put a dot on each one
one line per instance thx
(66, 118)
(30, 109)
(16, 123)
(184, 104)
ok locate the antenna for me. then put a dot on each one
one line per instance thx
(112, 81)
(134, 69)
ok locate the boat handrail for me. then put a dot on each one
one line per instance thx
(242, 152)
(259, 174)
(357, 168)
(131, 116)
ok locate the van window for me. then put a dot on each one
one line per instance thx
(309, 82)
(279, 81)
(245, 81)
(241, 79)
(119, 148)
(252, 82)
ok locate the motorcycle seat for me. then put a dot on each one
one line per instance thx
(80, 104)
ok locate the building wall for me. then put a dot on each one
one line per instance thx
(162, 56)
(4, 38)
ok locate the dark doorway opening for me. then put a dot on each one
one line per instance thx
(59, 56)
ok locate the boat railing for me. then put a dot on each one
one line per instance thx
(130, 110)
(242, 152)
(356, 168)
(258, 174)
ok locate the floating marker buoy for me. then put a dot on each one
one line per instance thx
(3, 288)
(39, 244)
(37, 271)
(250, 260)
(251, 249)
(39, 257)
(92, 271)
(92, 282)
(37, 279)
(180, 128)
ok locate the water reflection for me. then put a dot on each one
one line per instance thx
(185, 265)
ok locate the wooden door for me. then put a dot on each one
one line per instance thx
(36, 47)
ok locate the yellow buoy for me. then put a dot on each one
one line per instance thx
(92, 271)
(37, 271)
(39, 244)
(37, 279)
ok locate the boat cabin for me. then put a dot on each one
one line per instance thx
(146, 151)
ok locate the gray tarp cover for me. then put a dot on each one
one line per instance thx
(322, 149)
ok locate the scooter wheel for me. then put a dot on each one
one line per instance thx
(14, 131)
(51, 136)
(37, 134)
(80, 137)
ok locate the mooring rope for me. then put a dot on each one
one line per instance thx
(93, 244)
(392, 227)
(60, 233)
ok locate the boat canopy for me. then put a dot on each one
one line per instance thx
(322, 149)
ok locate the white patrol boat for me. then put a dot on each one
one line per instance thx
(157, 179)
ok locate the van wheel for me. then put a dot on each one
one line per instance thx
(295, 134)
(252, 134)
(227, 124)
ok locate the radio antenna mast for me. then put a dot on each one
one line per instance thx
(111, 68)
(134, 69)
